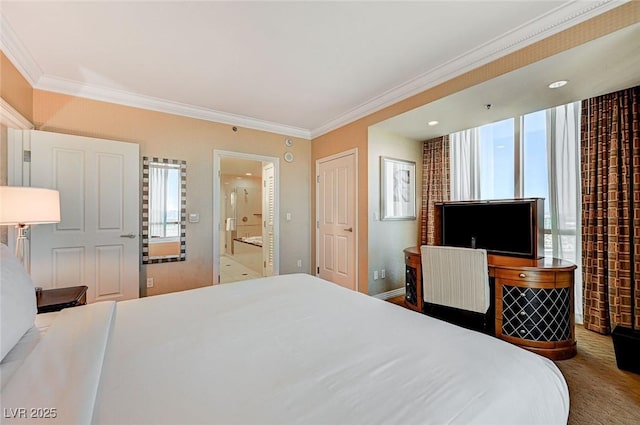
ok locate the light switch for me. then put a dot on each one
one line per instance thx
(288, 216)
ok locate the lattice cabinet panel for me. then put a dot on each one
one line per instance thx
(536, 314)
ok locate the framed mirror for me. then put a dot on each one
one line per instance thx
(164, 210)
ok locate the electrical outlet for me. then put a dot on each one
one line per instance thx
(375, 275)
(299, 263)
(383, 273)
(149, 282)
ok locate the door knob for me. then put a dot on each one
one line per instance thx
(350, 229)
(128, 235)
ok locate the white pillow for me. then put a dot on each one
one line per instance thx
(17, 300)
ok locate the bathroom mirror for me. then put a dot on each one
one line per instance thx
(164, 210)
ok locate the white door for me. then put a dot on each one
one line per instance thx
(96, 242)
(336, 242)
(268, 217)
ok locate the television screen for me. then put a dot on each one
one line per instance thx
(505, 228)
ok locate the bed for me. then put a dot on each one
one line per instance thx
(289, 349)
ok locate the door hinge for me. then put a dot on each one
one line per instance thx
(318, 270)
(317, 179)
(26, 156)
(318, 224)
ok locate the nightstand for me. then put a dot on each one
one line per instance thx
(56, 299)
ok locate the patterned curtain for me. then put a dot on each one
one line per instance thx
(435, 183)
(610, 155)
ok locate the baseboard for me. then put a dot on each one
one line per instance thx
(390, 294)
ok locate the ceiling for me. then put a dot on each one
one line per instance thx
(297, 68)
(605, 65)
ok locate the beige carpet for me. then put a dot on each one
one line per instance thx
(599, 392)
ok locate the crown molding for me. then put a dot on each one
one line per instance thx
(555, 21)
(18, 54)
(121, 97)
(31, 71)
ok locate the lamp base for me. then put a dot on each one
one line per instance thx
(22, 246)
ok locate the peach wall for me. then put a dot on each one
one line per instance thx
(15, 89)
(355, 134)
(350, 137)
(176, 137)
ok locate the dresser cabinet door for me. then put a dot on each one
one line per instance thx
(536, 314)
(413, 279)
(411, 293)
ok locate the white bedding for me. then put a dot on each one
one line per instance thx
(286, 349)
(27, 343)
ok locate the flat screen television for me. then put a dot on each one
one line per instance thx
(511, 227)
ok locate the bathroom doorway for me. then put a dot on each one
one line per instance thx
(245, 212)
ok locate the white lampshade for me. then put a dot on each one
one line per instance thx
(28, 205)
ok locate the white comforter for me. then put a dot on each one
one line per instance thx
(290, 349)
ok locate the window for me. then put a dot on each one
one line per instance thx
(498, 168)
(532, 156)
(496, 160)
(164, 181)
(535, 167)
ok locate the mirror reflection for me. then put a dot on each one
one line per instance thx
(163, 210)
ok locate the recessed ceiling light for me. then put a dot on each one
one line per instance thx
(432, 123)
(557, 84)
(248, 174)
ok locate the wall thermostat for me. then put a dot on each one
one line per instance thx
(194, 217)
(288, 156)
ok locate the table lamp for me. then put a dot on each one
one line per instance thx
(24, 206)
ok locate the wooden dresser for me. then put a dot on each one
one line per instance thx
(534, 306)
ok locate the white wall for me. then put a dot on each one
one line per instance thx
(387, 239)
